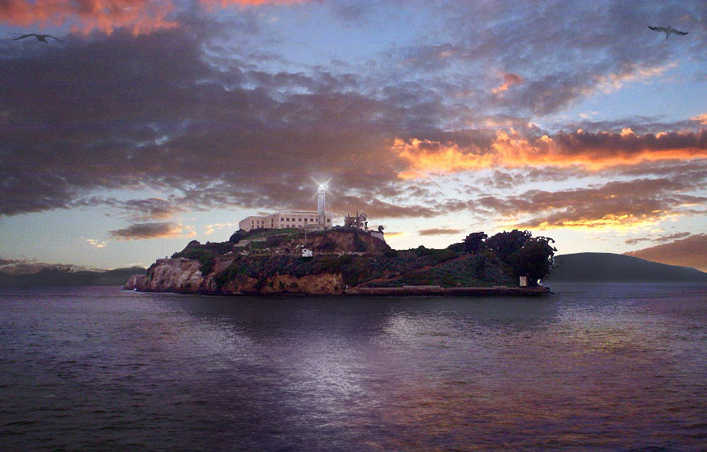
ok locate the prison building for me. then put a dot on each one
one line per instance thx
(283, 220)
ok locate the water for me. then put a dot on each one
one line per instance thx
(614, 366)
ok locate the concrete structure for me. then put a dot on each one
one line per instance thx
(360, 221)
(282, 220)
(300, 219)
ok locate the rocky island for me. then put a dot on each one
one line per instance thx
(350, 261)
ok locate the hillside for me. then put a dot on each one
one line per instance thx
(597, 267)
(61, 276)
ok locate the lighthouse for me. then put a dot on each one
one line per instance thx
(321, 203)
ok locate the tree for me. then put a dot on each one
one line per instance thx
(506, 244)
(474, 242)
(534, 258)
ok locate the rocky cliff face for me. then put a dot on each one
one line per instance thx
(184, 276)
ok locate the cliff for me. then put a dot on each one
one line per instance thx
(344, 261)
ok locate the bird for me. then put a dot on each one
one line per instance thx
(42, 38)
(667, 30)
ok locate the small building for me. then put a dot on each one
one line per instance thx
(359, 221)
(523, 281)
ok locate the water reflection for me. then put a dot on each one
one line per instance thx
(176, 371)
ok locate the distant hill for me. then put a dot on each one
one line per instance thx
(61, 276)
(618, 267)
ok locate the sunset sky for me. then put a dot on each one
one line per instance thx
(155, 122)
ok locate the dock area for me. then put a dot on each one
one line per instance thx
(449, 291)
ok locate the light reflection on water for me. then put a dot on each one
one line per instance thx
(596, 366)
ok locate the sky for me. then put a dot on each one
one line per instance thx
(151, 123)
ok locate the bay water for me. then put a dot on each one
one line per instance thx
(594, 367)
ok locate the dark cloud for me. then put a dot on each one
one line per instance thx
(614, 204)
(194, 116)
(661, 238)
(689, 252)
(137, 116)
(141, 231)
(439, 231)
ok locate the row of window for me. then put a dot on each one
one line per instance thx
(261, 223)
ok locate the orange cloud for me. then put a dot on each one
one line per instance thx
(615, 205)
(252, 2)
(701, 118)
(139, 16)
(592, 151)
(508, 81)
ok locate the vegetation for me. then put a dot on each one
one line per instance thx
(474, 242)
(478, 260)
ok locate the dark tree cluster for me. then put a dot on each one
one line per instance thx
(525, 254)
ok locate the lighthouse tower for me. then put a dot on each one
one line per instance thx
(321, 203)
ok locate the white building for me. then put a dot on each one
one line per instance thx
(318, 219)
(310, 219)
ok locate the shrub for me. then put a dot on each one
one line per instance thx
(358, 243)
(238, 236)
(274, 241)
(421, 251)
(391, 253)
(474, 242)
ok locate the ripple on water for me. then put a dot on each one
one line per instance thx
(619, 367)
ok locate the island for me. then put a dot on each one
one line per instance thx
(346, 260)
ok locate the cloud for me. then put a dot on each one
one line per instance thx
(508, 81)
(619, 204)
(211, 228)
(96, 243)
(139, 16)
(213, 128)
(662, 238)
(510, 149)
(689, 252)
(142, 231)
(439, 231)
(702, 119)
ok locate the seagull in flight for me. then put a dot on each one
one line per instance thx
(42, 38)
(667, 30)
